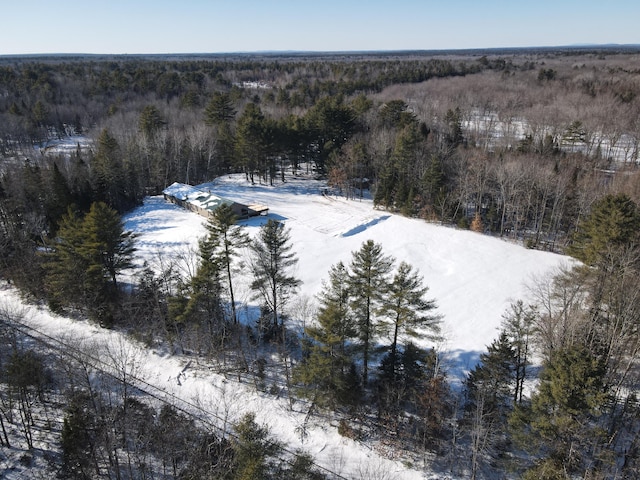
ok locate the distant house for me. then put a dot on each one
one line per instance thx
(205, 203)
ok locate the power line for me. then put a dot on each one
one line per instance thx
(188, 408)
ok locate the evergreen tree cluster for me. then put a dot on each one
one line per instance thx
(85, 259)
(368, 315)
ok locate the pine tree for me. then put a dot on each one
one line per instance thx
(251, 142)
(150, 121)
(87, 256)
(77, 440)
(330, 124)
(434, 184)
(108, 173)
(492, 380)
(107, 242)
(489, 397)
(403, 160)
(254, 450)
(326, 367)
(202, 304)
(272, 261)
(614, 222)
(220, 114)
(396, 114)
(219, 110)
(518, 325)
(368, 283)
(562, 421)
(407, 310)
(453, 132)
(226, 238)
(67, 270)
(401, 381)
(58, 200)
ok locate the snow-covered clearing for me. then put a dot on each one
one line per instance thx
(472, 277)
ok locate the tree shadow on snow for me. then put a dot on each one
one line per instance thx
(262, 219)
(458, 363)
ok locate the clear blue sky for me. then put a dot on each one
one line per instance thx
(201, 26)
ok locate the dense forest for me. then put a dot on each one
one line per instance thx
(540, 147)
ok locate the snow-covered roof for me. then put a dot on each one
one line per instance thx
(194, 196)
(180, 191)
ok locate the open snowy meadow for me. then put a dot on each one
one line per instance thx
(473, 278)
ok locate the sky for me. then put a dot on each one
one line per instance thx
(214, 26)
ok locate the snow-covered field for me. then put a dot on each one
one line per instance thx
(472, 277)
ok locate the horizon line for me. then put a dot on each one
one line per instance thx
(329, 52)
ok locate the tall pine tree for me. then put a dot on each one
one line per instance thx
(369, 286)
(407, 310)
(271, 265)
(326, 367)
(225, 238)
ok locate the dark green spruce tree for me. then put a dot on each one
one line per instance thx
(254, 451)
(489, 400)
(614, 222)
(67, 280)
(106, 242)
(561, 425)
(86, 258)
(492, 382)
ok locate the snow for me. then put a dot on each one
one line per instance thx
(491, 130)
(472, 277)
(66, 146)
